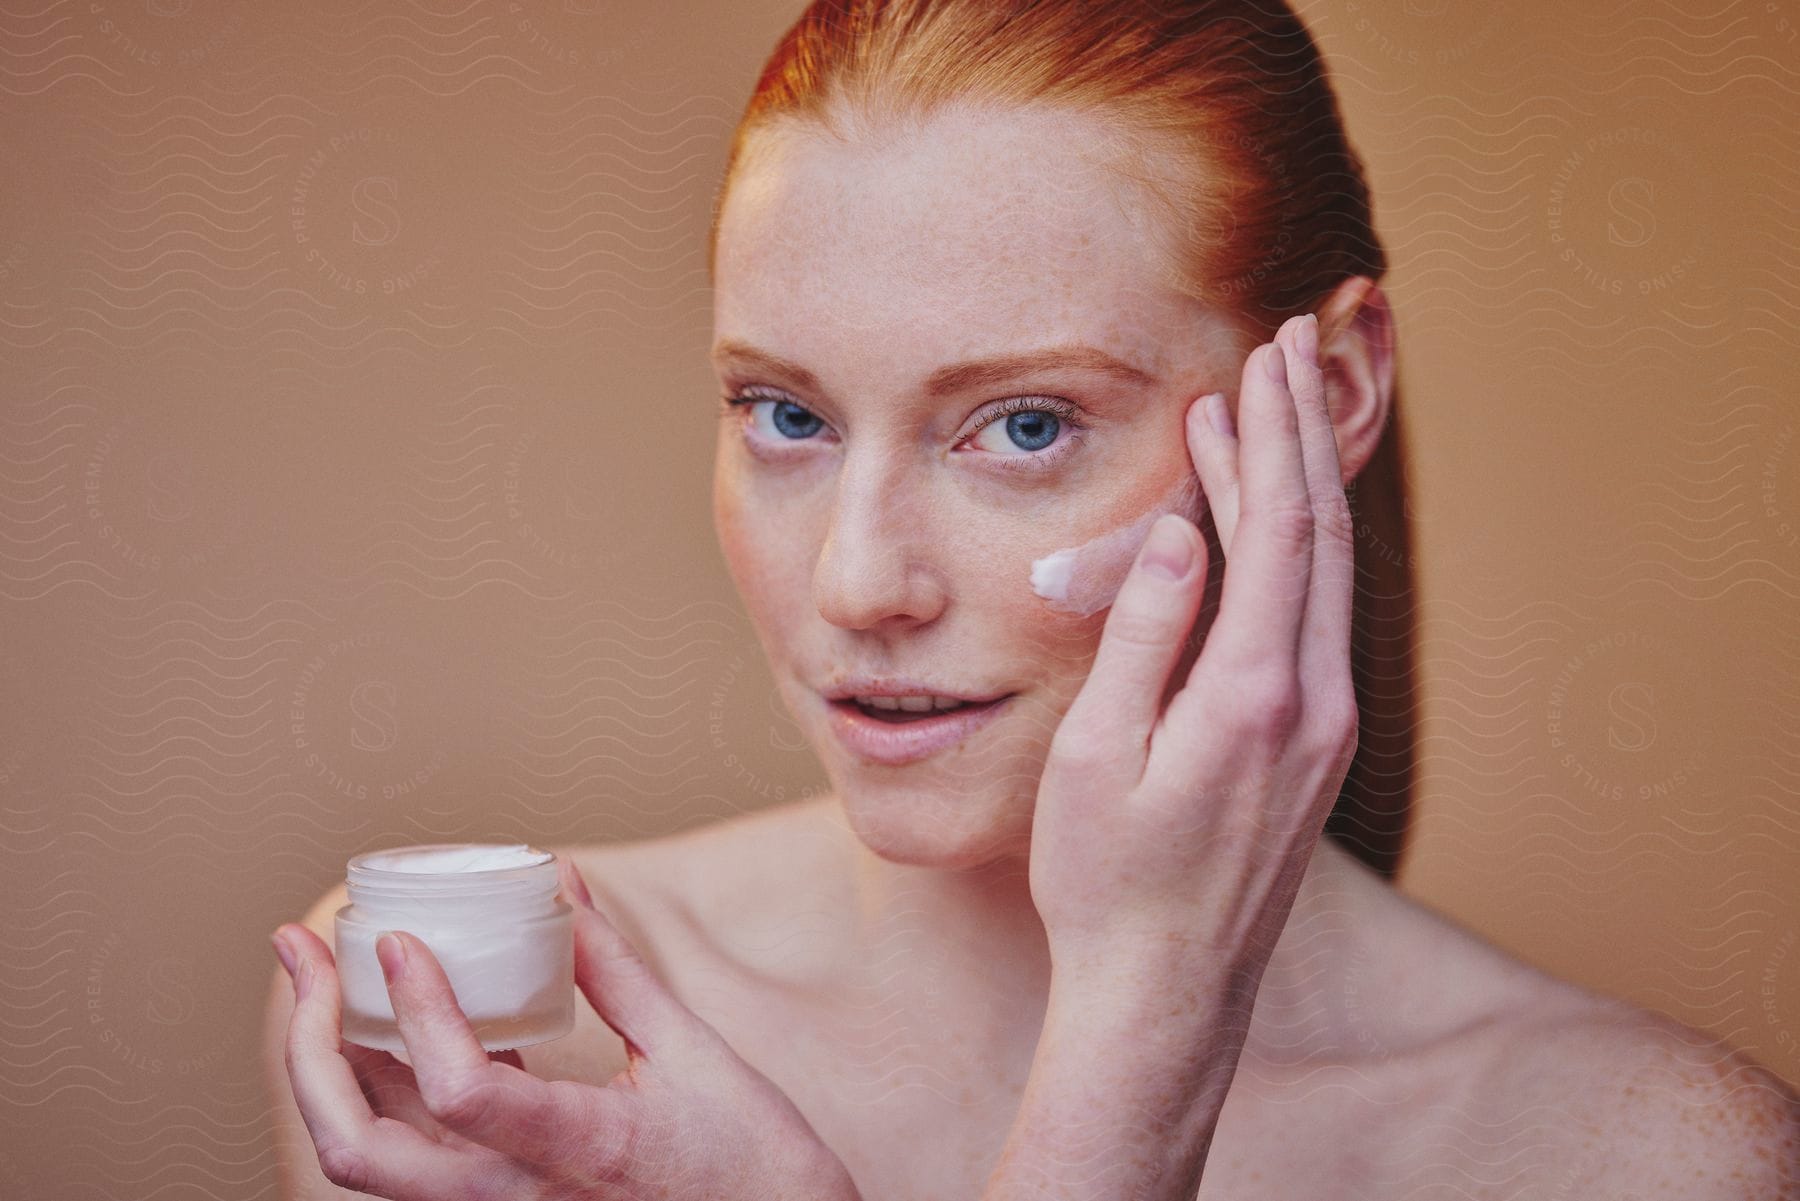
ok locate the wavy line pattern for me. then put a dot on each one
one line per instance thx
(355, 440)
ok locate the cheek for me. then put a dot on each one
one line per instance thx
(1085, 579)
(1065, 593)
(764, 561)
(1053, 648)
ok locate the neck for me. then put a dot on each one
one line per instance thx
(960, 954)
(966, 946)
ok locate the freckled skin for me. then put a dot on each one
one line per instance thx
(874, 951)
(890, 549)
(1501, 1084)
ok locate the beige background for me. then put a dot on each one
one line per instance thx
(354, 488)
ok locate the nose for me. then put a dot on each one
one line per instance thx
(878, 566)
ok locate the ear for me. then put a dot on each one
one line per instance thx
(1356, 353)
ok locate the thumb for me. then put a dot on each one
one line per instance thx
(617, 982)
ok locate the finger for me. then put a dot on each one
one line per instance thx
(492, 1101)
(325, 1089)
(1121, 699)
(1213, 443)
(393, 1090)
(357, 1150)
(1325, 640)
(1263, 601)
(620, 986)
(390, 1087)
(481, 1099)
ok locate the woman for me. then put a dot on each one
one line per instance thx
(993, 281)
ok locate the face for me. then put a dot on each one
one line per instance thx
(879, 504)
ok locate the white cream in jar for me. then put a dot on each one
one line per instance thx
(490, 915)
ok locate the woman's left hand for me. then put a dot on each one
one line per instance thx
(687, 1117)
(1182, 831)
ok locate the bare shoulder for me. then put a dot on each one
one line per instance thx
(1411, 982)
(1664, 1110)
(709, 886)
(1520, 1074)
(686, 866)
(1501, 1080)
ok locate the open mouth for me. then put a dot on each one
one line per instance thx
(900, 717)
(896, 737)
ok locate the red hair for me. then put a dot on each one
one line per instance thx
(1221, 112)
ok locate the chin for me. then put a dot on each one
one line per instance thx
(941, 828)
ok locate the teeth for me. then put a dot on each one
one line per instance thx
(911, 704)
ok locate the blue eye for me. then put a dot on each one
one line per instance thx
(1029, 429)
(1031, 424)
(790, 420)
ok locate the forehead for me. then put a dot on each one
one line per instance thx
(978, 231)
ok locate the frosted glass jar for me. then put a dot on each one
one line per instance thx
(488, 912)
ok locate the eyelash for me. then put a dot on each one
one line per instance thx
(1064, 411)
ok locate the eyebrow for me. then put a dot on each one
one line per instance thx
(960, 377)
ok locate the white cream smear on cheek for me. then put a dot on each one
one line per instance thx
(1082, 580)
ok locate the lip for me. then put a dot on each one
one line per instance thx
(895, 743)
(902, 686)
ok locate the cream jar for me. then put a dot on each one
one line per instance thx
(490, 915)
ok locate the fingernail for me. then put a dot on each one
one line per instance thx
(1219, 414)
(284, 953)
(578, 888)
(1306, 336)
(392, 954)
(1276, 363)
(1167, 552)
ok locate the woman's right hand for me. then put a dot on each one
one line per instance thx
(687, 1117)
(1187, 832)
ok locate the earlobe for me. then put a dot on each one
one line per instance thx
(1356, 354)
